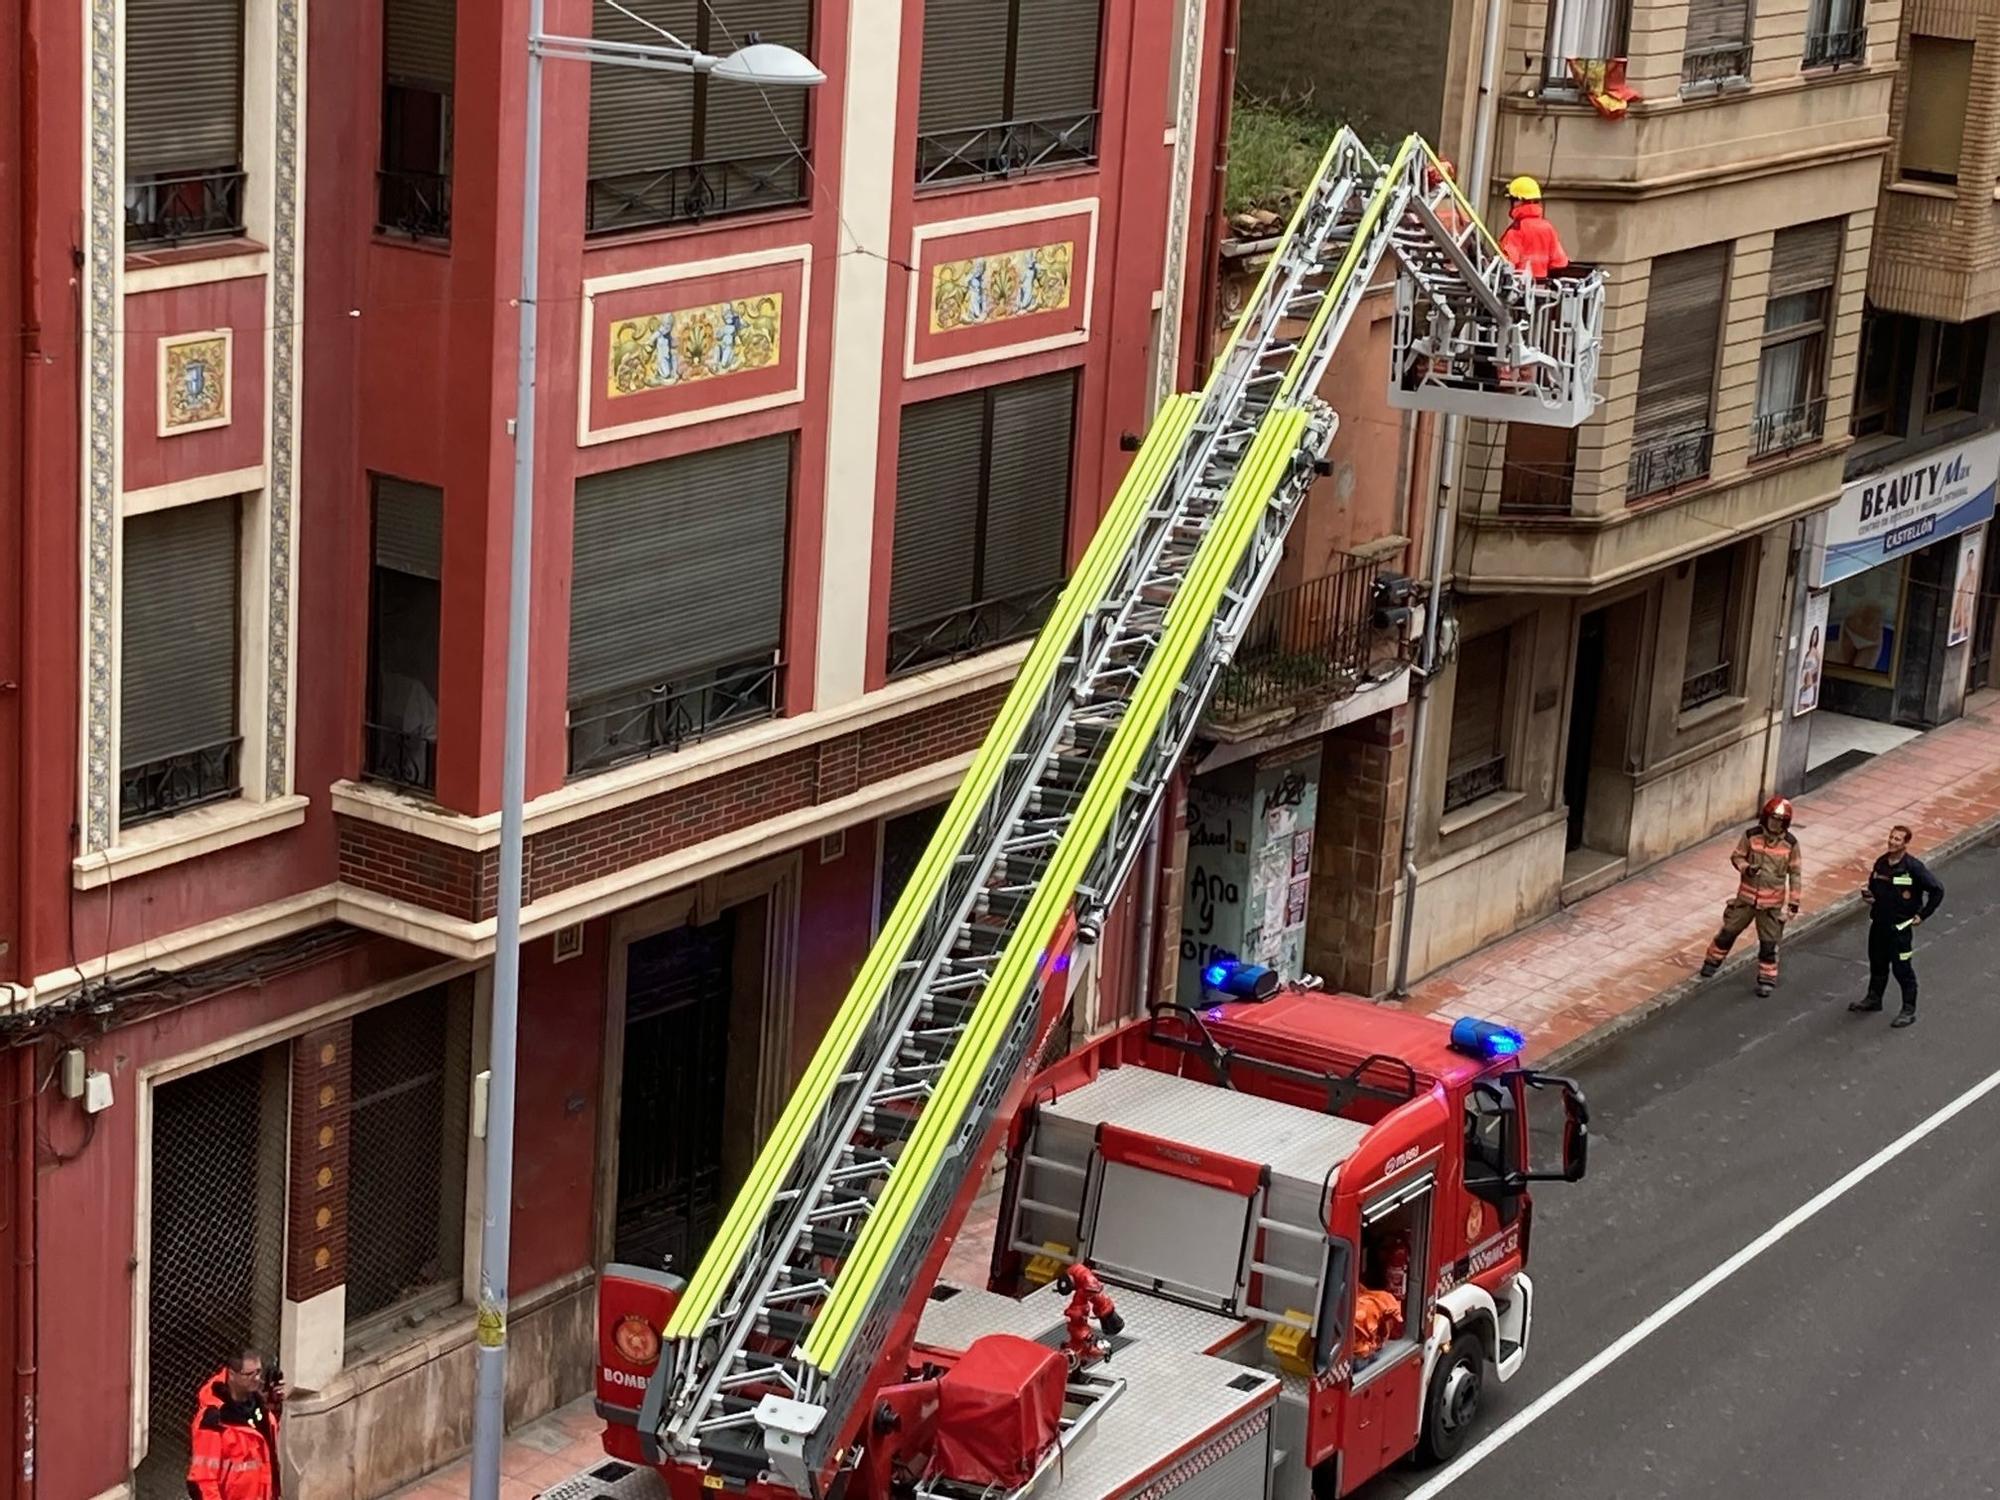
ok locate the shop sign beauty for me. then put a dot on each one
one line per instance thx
(1887, 515)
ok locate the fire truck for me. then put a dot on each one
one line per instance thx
(1265, 1241)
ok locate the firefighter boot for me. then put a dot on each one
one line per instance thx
(1868, 1002)
(1709, 966)
(1907, 1016)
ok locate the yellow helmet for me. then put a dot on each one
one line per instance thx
(1525, 190)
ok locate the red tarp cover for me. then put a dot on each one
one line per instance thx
(999, 1410)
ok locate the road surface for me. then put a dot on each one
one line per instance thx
(1859, 1355)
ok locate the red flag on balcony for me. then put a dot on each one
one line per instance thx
(1602, 82)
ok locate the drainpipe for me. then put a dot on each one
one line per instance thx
(1217, 216)
(1149, 901)
(1441, 522)
(26, 1205)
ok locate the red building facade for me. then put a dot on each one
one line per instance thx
(832, 392)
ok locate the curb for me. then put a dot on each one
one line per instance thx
(1809, 922)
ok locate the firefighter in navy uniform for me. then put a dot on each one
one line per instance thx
(1769, 882)
(1901, 895)
(235, 1448)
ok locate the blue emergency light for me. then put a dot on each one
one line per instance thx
(1477, 1038)
(1240, 981)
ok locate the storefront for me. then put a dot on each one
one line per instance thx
(1895, 591)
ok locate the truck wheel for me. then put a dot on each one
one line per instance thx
(1451, 1405)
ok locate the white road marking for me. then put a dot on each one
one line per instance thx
(1570, 1384)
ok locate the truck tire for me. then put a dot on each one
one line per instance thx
(1451, 1404)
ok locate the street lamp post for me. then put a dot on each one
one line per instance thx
(766, 65)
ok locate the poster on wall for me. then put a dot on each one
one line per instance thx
(1812, 654)
(1965, 588)
(1864, 621)
(1891, 514)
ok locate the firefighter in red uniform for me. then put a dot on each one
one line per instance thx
(235, 1448)
(1531, 244)
(1769, 884)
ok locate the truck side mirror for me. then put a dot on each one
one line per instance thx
(1576, 1128)
(1493, 1147)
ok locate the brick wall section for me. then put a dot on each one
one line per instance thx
(316, 1246)
(461, 883)
(1357, 852)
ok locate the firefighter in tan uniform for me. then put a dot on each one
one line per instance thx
(1769, 882)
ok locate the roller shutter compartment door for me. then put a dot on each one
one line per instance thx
(1028, 486)
(420, 42)
(640, 122)
(750, 125)
(183, 65)
(939, 457)
(178, 663)
(1056, 59)
(965, 66)
(409, 528)
(1805, 258)
(1683, 337)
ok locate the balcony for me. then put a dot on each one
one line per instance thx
(969, 630)
(160, 788)
(635, 723)
(1706, 686)
(690, 192)
(1666, 464)
(1777, 432)
(1704, 70)
(1835, 49)
(416, 204)
(399, 757)
(1537, 489)
(1306, 645)
(173, 210)
(1010, 148)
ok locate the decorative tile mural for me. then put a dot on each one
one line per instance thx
(194, 382)
(659, 351)
(989, 289)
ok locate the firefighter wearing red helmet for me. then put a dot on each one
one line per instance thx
(1769, 882)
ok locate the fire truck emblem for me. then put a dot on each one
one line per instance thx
(636, 1340)
(1475, 1220)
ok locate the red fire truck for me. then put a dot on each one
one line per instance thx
(1308, 1219)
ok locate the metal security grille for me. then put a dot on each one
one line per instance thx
(406, 1155)
(216, 1268)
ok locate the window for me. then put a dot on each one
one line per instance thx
(1936, 98)
(904, 840)
(1836, 33)
(1478, 755)
(1589, 29)
(1958, 369)
(1396, 1228)
(1539, 470)
(1888, 371)
(668, 149)
(401, 731)
(982, 506)
(1709, 672)
(183, 120)
(677, 600)
(1717, 49)
(177, 731)
(413, 194)
(1672, 440)
(1791, 371)
(1009, 86)
(412, 1064)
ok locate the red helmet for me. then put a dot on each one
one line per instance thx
(1779, 808)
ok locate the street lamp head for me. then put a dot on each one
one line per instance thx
(768, 65)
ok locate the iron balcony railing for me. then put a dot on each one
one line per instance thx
(1706, 686)
(1313, 641)
(1010, 148)
(1776, 432)
(1710, 67)
(1466, 784)
(417, 204)
(1536, 489)
(401, 757)
(170, 208)
(969, 629)
(688, 192)
(634, 723)
(1833, 49)
(173, 783)
(1668, 463)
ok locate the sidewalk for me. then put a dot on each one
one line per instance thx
(1571, 980)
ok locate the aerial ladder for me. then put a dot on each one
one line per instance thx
(806, 1301)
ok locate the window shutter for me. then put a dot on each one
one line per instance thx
(183, 86)
(1937, 98)
(965, 66)
(1028, 485)
(1714, 24)
(1682, 338)
(1708, 612)
(1479, 700)
(419, 42)
(409, 527)
(641, 122)
(177, 671)
(938, 456)
(679, 566)
(738, 120)
(1805, 258)
(1055, 65)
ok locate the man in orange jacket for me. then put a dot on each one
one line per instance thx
(1531, 243)
(235, 1449)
